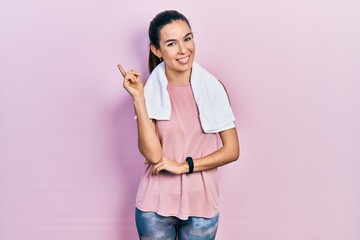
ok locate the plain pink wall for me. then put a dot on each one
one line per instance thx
(69, 164)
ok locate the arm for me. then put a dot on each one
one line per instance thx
(229, 152)
(148, 141)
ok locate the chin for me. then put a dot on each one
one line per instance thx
(185, 68)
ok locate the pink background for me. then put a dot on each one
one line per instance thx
(69, 164)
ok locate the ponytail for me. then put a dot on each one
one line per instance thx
(153, 61)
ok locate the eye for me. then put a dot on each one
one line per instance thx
(188, 39)
(170, 44)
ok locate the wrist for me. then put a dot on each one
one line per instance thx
(190, 163)
(139, 99)
(184, 167)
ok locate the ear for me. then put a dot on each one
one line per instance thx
(155, 51)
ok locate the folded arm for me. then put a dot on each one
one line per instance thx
(229, 152)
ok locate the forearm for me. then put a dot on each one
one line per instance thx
(219, 158)
(229, 152)
(148, 141)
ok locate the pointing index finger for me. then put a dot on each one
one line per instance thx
(123, 72)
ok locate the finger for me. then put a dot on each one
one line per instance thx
(127, 82)
(129, 78)
(154, 171)
(157, 168)
(135, 72)
(158, 165)
(134, 79)
(123, 72)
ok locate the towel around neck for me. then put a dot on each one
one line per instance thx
(215, 112)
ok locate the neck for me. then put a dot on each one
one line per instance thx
(178, 77)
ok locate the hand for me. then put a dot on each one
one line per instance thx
(171, 166)
(132, 82)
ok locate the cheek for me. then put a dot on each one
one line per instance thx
(170, 52)
(191, 46)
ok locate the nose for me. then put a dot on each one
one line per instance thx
(182, 48)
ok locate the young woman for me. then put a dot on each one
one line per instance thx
(180, 112)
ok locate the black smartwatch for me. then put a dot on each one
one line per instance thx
(191, 164)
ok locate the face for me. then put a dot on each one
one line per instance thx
(177, 47)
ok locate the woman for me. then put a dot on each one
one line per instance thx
(180, 113)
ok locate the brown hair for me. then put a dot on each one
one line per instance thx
(159, 21)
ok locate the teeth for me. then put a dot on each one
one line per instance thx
(183, 60)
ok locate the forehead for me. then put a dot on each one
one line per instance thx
(174, 30)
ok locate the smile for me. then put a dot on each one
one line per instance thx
(184, 60)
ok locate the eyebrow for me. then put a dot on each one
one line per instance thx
(171, 40)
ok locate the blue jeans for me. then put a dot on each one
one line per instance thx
(152, 226)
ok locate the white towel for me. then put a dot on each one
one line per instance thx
(210, 96)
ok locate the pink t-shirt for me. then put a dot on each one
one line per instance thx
(182, 195)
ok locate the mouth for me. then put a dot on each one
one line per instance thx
(184, 60)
